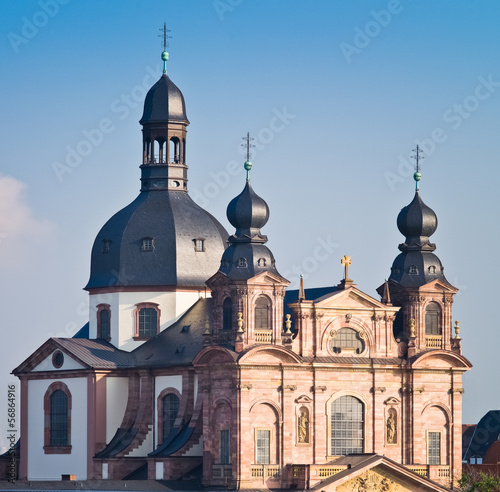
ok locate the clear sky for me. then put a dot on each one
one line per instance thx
(336, 93)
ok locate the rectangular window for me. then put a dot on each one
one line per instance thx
(224, 447)
(434, 448)
(263, 447)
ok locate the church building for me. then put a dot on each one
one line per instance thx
(198, 363)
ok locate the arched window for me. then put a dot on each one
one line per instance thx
(103, 321)
(262, 314)
(347, 426)
(59, 419)
(227, 314)
(57, 411)
(433, 319)
(347, 340)
(170, 409)
(147, 320)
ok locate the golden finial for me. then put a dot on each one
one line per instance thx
(240, 322)
(412, 328)
(288, 324)
(457, 330)
(207, 327)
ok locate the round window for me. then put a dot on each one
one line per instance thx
(58, 359)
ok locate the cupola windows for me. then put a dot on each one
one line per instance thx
(432, 270)
(175, 150)
(147, 244)
(199, 245)
(106, 243)
(413, 270)
(242, 263)
(261, 262)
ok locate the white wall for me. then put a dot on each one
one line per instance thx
(116, 403)
(122, 305)
(43, 466)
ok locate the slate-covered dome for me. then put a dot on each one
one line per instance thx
(417, 219)
(152, 242)
(417, 264)
(248, 211)
(164, 103)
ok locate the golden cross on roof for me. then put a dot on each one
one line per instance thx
(346, 261)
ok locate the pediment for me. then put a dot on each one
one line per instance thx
(42, 359)
(350, 298)
(375, 473)
(303, 399)
(440, 359)
(439, 285)
(269, 354)
(50, 363)
(392, 401)
(213, 355)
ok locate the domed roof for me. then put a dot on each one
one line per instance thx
(248, 212)
(164, 103)
(416, 268)
(152, 242)
(417, 219)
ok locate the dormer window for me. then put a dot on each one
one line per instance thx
(242, 263)
(105, 245)
(147, 244)
(432, 270)
(413, 270)
(261, 262)
(199, 245)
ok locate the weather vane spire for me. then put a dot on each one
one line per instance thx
(165, 36)
(248, 145)
(417, 176)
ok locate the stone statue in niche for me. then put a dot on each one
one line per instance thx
(303, 428)
(391, 429)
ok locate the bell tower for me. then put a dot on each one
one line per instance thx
(164, 127)
(248, 290)
(417, 282)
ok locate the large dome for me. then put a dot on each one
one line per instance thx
(153, 242)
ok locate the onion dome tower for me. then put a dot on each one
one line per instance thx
(417, 282)
(248, 289)
(163, 241)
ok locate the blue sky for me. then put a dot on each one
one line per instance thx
(336, 93)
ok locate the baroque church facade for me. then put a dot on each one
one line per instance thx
(198, 362)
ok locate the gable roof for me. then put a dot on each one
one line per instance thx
(93, 354)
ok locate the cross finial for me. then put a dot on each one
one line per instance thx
(346, 261)
(165, 36)
(417, 176)
(248, 144)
